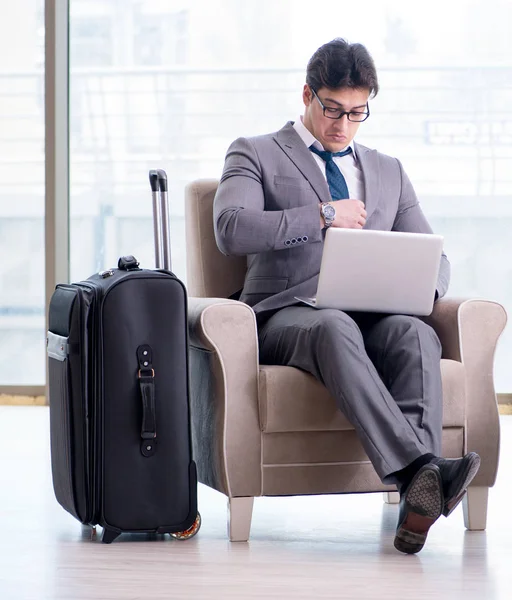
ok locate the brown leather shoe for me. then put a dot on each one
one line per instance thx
(421, 504)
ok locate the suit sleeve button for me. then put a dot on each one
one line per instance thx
(305, 238)
(287, 243)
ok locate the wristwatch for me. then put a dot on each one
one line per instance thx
(328, 213)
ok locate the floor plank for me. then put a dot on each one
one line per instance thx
(302, 547)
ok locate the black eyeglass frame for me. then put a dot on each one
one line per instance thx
(342, 113)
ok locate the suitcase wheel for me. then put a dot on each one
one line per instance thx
(190, 532)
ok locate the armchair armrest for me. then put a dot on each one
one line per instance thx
(226, 433)
(469, 331)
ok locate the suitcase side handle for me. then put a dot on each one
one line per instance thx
(146, 377)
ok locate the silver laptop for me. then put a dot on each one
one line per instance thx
(378, 271)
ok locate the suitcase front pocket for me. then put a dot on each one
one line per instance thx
(60, 421)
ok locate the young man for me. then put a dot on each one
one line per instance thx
(277, 196)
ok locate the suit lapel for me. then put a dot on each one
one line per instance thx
(290, 143)
(368, 162)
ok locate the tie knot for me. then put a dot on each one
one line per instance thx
(328, 156)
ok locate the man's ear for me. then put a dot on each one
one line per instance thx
(307, 95)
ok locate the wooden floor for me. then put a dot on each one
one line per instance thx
(302, 548)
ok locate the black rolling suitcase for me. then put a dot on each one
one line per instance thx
(118, 393)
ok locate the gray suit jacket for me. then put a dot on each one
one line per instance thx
(267, 207)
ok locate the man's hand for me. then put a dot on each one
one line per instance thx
(350, 214)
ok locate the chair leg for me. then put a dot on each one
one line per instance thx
(391, 497)
(474, 506)
(239, 518)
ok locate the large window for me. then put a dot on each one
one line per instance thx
(22, 338)
(171, 84)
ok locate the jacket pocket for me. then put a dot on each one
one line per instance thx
(265, 285)
(298, 182)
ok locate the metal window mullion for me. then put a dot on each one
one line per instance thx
(56, 146)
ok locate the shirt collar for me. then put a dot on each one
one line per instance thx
(309, 139)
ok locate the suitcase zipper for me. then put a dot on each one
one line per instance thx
(78, 292)
(94, 453)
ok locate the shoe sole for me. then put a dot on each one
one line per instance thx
(467, 476)
(424, 502)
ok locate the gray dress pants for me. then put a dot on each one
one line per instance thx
(383, 370)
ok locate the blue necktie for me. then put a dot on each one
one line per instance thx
(335, 180)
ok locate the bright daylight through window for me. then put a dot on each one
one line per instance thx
(154, 84)
(22, 336)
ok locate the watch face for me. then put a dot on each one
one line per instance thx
(328, 211)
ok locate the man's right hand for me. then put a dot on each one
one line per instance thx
(350, 214)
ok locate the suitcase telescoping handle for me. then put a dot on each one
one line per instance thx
(161, 219)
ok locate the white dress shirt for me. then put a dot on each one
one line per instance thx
(346, 164)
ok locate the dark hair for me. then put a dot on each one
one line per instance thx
(339, 64)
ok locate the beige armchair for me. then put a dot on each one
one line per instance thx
(262, 430)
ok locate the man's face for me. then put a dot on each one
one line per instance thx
(333, 134)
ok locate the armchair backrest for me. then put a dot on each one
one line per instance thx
(210, 274)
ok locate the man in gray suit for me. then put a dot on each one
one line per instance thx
(277, 196)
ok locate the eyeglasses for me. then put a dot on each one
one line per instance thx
(355, 116)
